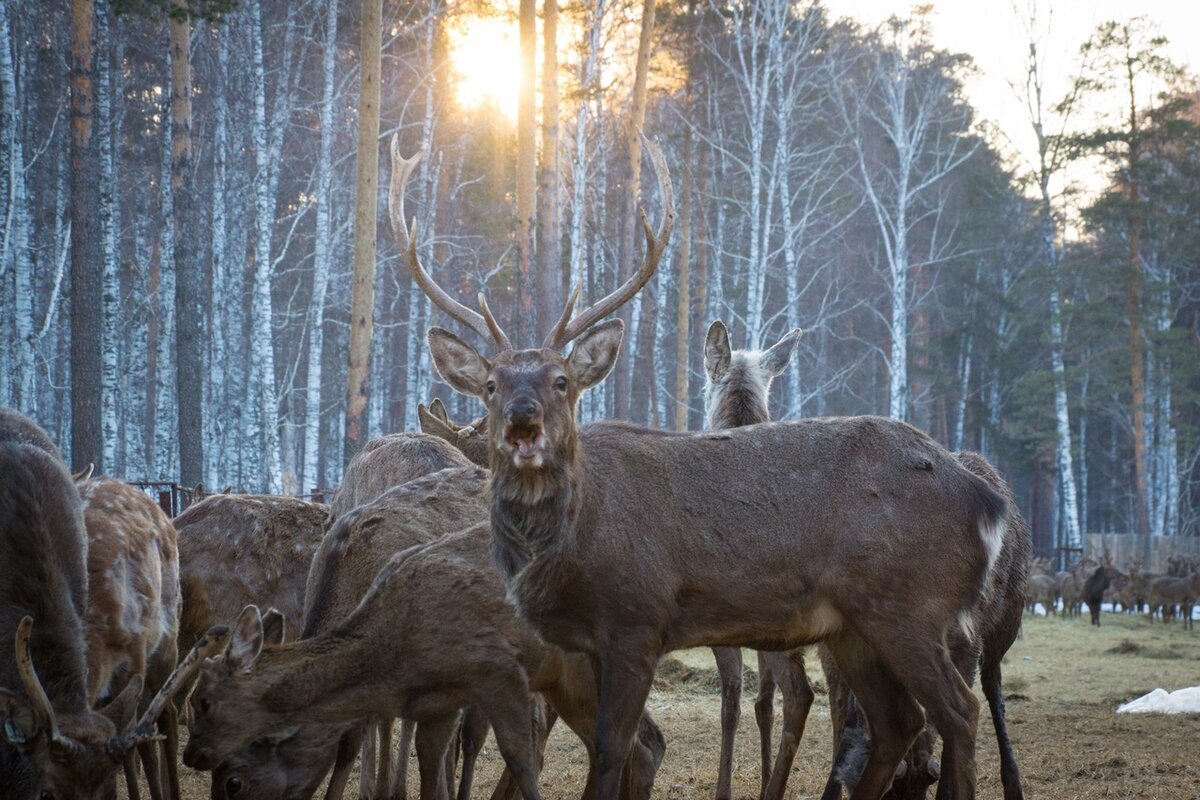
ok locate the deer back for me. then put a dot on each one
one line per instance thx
(238, 549)
(391, 461)
(17, 428)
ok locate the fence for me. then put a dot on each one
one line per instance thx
(1127, 547)
(170, 496)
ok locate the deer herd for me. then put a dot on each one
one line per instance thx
(520, 570)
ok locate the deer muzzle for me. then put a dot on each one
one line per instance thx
(524, 433)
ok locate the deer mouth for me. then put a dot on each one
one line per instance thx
(527, 443)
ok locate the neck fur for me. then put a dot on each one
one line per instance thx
(533, 511)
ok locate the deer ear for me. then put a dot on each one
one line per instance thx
(438, 409)
(247, 640)
(458, 362)
(433, 426)
(776, 358)
(18, 723)
(122, 708)
(273, 626)
(716, 350)
(595, 352)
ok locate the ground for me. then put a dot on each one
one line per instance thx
(1064, 680)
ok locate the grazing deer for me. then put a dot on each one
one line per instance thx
(270, 540)
(625, 543)
(995, 623)
(736, 394)
(52, 742)
(390, 461)
(355, 549)
(471, 439)
(132, 622)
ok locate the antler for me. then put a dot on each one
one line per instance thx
(208, 645)
(33, 689)
(567, 329)
(484, 325)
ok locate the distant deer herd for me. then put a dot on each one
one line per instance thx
(523, 569)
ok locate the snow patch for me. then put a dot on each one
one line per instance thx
(1160, 701)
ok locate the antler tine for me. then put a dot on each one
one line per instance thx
(33, 687)
(655, 245)
(213, 640)
(552, 338)
(402, 170)
(497, 332)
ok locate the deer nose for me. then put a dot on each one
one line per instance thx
(522, 411)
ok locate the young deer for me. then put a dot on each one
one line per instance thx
(471, 439)
(271, 540)
(625, 543)
(52, 742)
(736, 394)
(132, 621)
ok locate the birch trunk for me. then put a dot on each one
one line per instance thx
(109, 227)
(219, 375)
(526, 172)
(321, 257)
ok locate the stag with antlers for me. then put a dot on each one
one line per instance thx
(625, 543)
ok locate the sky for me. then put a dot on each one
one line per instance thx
(991, 32)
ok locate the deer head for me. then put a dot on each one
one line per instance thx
(531, 395)
(739, 381)
(222, 703)
(76, 756)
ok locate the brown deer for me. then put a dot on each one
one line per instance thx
(471, 439)
(1167, 593)
(995, 623)
(17, 428)
(358, 545)
(390, 461)
(270, 539)
(1042, 587)
(52, 742)
(1095, 587)
(621, 542)
(736, 394)
(132, 621)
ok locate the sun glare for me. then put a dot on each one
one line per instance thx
(485, 55)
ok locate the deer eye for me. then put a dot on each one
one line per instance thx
(491, 387)
(204, 705)
(45, 794)
(233, 786)
(560, 383)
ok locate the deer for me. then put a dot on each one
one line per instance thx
(617, 541)
(390, 461)
(131, 625)
(1095, 586)
(271, 540)
(736, 394)
(356, 548)
(1042, 587)
(982, 645)
(53, 743)
(1168, 592)
(470, 438)
(17, 428)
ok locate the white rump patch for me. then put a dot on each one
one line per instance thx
(992, 535)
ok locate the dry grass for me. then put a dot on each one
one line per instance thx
(1064, 680)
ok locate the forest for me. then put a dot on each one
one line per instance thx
(200, 280)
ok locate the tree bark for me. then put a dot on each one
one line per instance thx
(87, 442)
(189, 273)
(362, 297)
(684, 306)
(550, 282)
(526, 173)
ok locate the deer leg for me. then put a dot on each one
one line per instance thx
(644, 760)
(131, 777)
(764, 715)
(433, 739)
(473, 734)
(625, 673)
(168, 725)
(400, 765)
(348, 747)
(366, 785)
(729, 666)
(148, 754)
(383, 764)
(893, 718)
(993, 689)
(797, 700)
(507, 705)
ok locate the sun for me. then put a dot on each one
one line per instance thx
(485, 57)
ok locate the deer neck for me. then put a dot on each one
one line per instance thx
(318, 680)
(534, 512)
